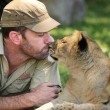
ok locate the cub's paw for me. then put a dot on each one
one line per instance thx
(64, 106)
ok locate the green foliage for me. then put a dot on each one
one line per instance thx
(96, 24)
(63, 73)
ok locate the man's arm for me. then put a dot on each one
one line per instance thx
(37, 97)
(15, 102)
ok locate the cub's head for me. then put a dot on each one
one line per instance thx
(74, 47)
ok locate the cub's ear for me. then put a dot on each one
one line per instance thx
(82, 44)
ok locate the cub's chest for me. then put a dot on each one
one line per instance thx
(84, 86)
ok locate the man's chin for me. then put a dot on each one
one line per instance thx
(44, 56)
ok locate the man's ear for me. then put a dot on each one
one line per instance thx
(15, 37)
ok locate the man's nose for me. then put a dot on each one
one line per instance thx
(48, 38)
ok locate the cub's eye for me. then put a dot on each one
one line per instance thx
(63, 41)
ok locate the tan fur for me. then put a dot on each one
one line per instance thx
(88, 86)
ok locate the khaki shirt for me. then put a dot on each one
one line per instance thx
(27, 77)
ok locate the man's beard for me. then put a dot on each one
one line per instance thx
(29, 51)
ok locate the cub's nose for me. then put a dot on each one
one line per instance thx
(52, 45)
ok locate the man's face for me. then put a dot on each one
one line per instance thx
(35, 45)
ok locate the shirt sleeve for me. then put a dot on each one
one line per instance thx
(46, 71)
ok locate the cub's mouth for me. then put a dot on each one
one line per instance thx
(52, 47)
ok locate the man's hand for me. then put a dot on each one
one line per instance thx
(37, 97)
(44, 93)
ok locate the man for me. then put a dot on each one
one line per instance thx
(27, 78)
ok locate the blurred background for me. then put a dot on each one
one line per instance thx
(92, 16)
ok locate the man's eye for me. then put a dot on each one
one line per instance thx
(41, 34)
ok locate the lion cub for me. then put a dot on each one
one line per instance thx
(88, 86)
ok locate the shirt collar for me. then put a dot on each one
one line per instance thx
(1, 44)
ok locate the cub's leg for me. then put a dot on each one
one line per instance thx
(86, 106)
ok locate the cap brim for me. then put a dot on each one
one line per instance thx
(44, 26)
